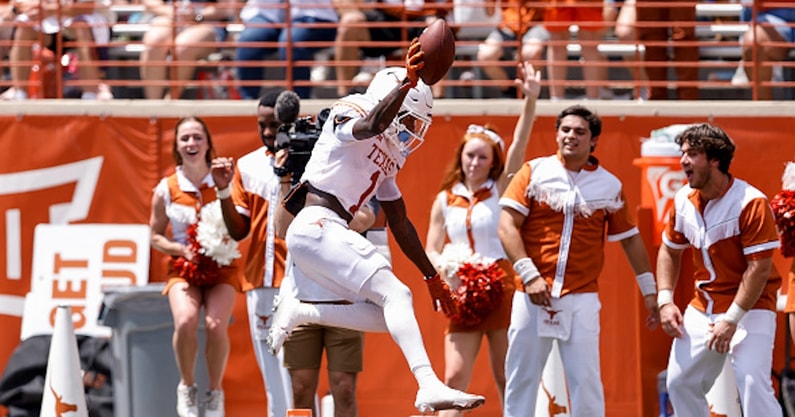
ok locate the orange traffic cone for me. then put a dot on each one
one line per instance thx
(63, 395)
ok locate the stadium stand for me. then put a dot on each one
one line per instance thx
(718, 29)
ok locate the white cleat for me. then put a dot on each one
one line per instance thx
(284, 321)
(442, 397)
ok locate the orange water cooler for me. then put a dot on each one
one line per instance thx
(662, 176)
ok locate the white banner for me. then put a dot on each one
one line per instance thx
(73, 264)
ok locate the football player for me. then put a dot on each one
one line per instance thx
(363, 144)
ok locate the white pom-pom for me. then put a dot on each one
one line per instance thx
(450, 260)
(788, 178)
(212, 235)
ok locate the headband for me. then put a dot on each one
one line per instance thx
(478, 129)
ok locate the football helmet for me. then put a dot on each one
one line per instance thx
(409, 127)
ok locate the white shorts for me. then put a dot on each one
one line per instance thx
(325, 250)
(100, 25)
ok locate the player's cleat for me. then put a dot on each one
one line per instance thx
(214, 404)
(186, 401)
(442, 397)
(285, 319)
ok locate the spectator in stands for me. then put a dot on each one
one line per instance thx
(354, 27)
(522, 21)
(774, 24)
(625, 17)
(86, 22)
(681, 18)
(558, 17)
(7, 15)
(191, 29)
(265, 22)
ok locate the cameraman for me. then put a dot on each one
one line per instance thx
(260, 180)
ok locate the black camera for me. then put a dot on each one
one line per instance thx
(299, 139)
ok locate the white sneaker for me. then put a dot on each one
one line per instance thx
(284, 321)
(214, 404)
(186, 401)
(442, 397)
(318, 73)
(740, 77)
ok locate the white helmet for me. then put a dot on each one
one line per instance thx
(408, 128)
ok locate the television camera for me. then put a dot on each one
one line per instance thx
(299, 139)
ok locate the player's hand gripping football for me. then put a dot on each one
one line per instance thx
(441, 297)
(415, 61)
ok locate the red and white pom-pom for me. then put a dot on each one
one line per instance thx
(213, 237)
(479, 294)
(788, 178)
(783, 205)
(200, 270)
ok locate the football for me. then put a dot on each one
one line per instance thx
(438, 43)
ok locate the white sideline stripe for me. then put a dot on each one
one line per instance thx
(12, 305)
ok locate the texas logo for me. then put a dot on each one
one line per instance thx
(551, 321)
(61, 407)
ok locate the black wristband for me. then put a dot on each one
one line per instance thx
(281, 171)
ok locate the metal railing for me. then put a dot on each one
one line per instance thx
(718, 28)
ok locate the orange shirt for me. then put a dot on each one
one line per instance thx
(725, 234)
(790, 307)
(253, 183)
(183, 203)
(567, 216)
(519, 16)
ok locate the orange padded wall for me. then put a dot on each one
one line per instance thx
(137, 153)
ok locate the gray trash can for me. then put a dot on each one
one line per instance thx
(145, 374)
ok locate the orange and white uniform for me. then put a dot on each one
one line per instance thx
(253, 187)
(738, 227)
(255, 193)
(321, 245)
(725, 233)
(183, 203)
(566, 217)
(569, 249)
(354, 170)
(472, 220)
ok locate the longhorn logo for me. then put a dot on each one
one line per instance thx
(61, 407)
(552, 313)
(553, 408)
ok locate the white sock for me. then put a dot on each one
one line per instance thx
(361, 316)
(385, 289)
(20, 94)
(425, 376)
(89, 95)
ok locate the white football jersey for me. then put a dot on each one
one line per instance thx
(353, 170)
